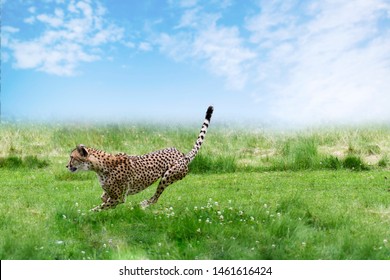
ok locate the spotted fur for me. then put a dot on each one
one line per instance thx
(121, 174)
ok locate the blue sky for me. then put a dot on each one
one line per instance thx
(293, 62)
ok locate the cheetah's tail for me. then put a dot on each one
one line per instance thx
(191, 155)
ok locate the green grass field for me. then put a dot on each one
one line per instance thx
(251, 194)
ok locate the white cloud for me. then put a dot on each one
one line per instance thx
(29, 20)
(190, 18)
(331, 63)
(220, 48)
(72, 34)
(9, 29)
(55, 20)
(32, 9)
(145, 46)
(6, 33)
(302, 61)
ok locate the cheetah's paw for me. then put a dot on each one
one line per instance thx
(96, 209)
(144, 204)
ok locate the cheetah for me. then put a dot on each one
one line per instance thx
(121, 175)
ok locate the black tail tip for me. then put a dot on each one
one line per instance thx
(209, 112)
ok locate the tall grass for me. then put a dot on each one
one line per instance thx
(26, 162)
(302, 154)
(226, 149)
(207, 164)
(297, 154)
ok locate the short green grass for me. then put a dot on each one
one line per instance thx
(313, 194)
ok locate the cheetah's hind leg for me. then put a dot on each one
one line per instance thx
(173, 174)
(104, 196)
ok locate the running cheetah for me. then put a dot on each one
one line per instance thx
(121, 175)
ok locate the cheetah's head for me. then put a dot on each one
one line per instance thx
(78, 159)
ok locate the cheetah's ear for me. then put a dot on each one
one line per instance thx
(82, 150)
